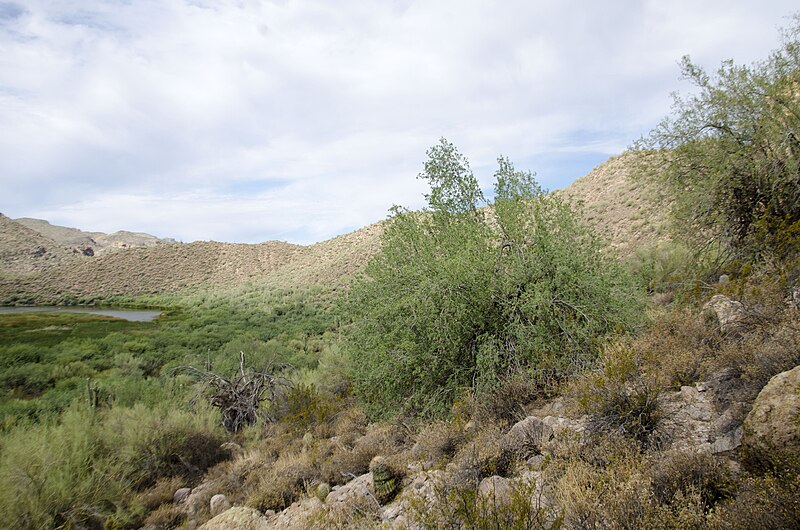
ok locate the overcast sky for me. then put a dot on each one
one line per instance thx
(246, 121)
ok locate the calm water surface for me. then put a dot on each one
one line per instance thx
(132, 315)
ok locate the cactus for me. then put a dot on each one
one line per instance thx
(384, 480)
(323, 489)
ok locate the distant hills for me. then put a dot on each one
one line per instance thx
(92, 243)
(45, 263)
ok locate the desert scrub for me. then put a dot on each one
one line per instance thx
(457, 504)
(618, 396)
(85, 468)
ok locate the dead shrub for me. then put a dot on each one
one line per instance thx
(350, 421)
(346, 462)
(356, 512)
(459, 505)
(605, 485)
(438, 442)
(765, 352)
(507, 404)
(282, 483)
(676, 476)
(165, 517)
(483, 456)
(761, 502)
(160, 493)
(675, 347)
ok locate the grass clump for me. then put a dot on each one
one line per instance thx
(619, 397)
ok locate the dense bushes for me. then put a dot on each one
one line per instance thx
(462, 296)
(734, 151)
(81, 471)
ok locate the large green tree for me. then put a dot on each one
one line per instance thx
(467, 292)
(733, 150)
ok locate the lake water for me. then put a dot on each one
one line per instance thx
(132, 315)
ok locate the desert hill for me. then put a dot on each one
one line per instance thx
(24, 251)
(91, 243)
(627, 209)
(627, 212)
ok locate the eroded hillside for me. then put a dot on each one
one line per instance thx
(627, 212)
(92, 243)
(24, 251)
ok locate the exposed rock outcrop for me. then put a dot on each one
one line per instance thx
(730, 314)
(773, 425)
(705, 417)
(238, 518)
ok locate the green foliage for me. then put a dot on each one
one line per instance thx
(66, 464)
(80, 472)
(461, 297)
(734, 149)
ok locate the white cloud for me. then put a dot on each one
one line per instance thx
(249, 120)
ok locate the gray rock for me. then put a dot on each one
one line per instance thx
(728, 441)
(181, 495)
(730, 314)
(240, 518)
(773, 424)
(358, 487)
(528, 437)
(218, 504)
(496, 490)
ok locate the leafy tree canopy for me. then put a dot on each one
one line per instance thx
(733, 149)
(461, 295)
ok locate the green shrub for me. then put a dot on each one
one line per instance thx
(733, 151)
(83, 470)
(462, 297)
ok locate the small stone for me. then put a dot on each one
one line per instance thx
(181, 495)
(219, 503)
(723, 279)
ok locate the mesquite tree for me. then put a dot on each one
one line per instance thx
(470, 291)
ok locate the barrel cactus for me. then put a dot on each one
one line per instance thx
(384, 480)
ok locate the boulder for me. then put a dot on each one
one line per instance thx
(218, 504)
(496, 490)
(772, 428)
(730, 314)
(299, 515)
(528, 437)
(240, 518)
(358, 487)
(181, 495)
(693, 419)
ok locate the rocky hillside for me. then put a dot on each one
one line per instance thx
(186, 267)
(92, 243)
(24, 251)
(628, 212)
